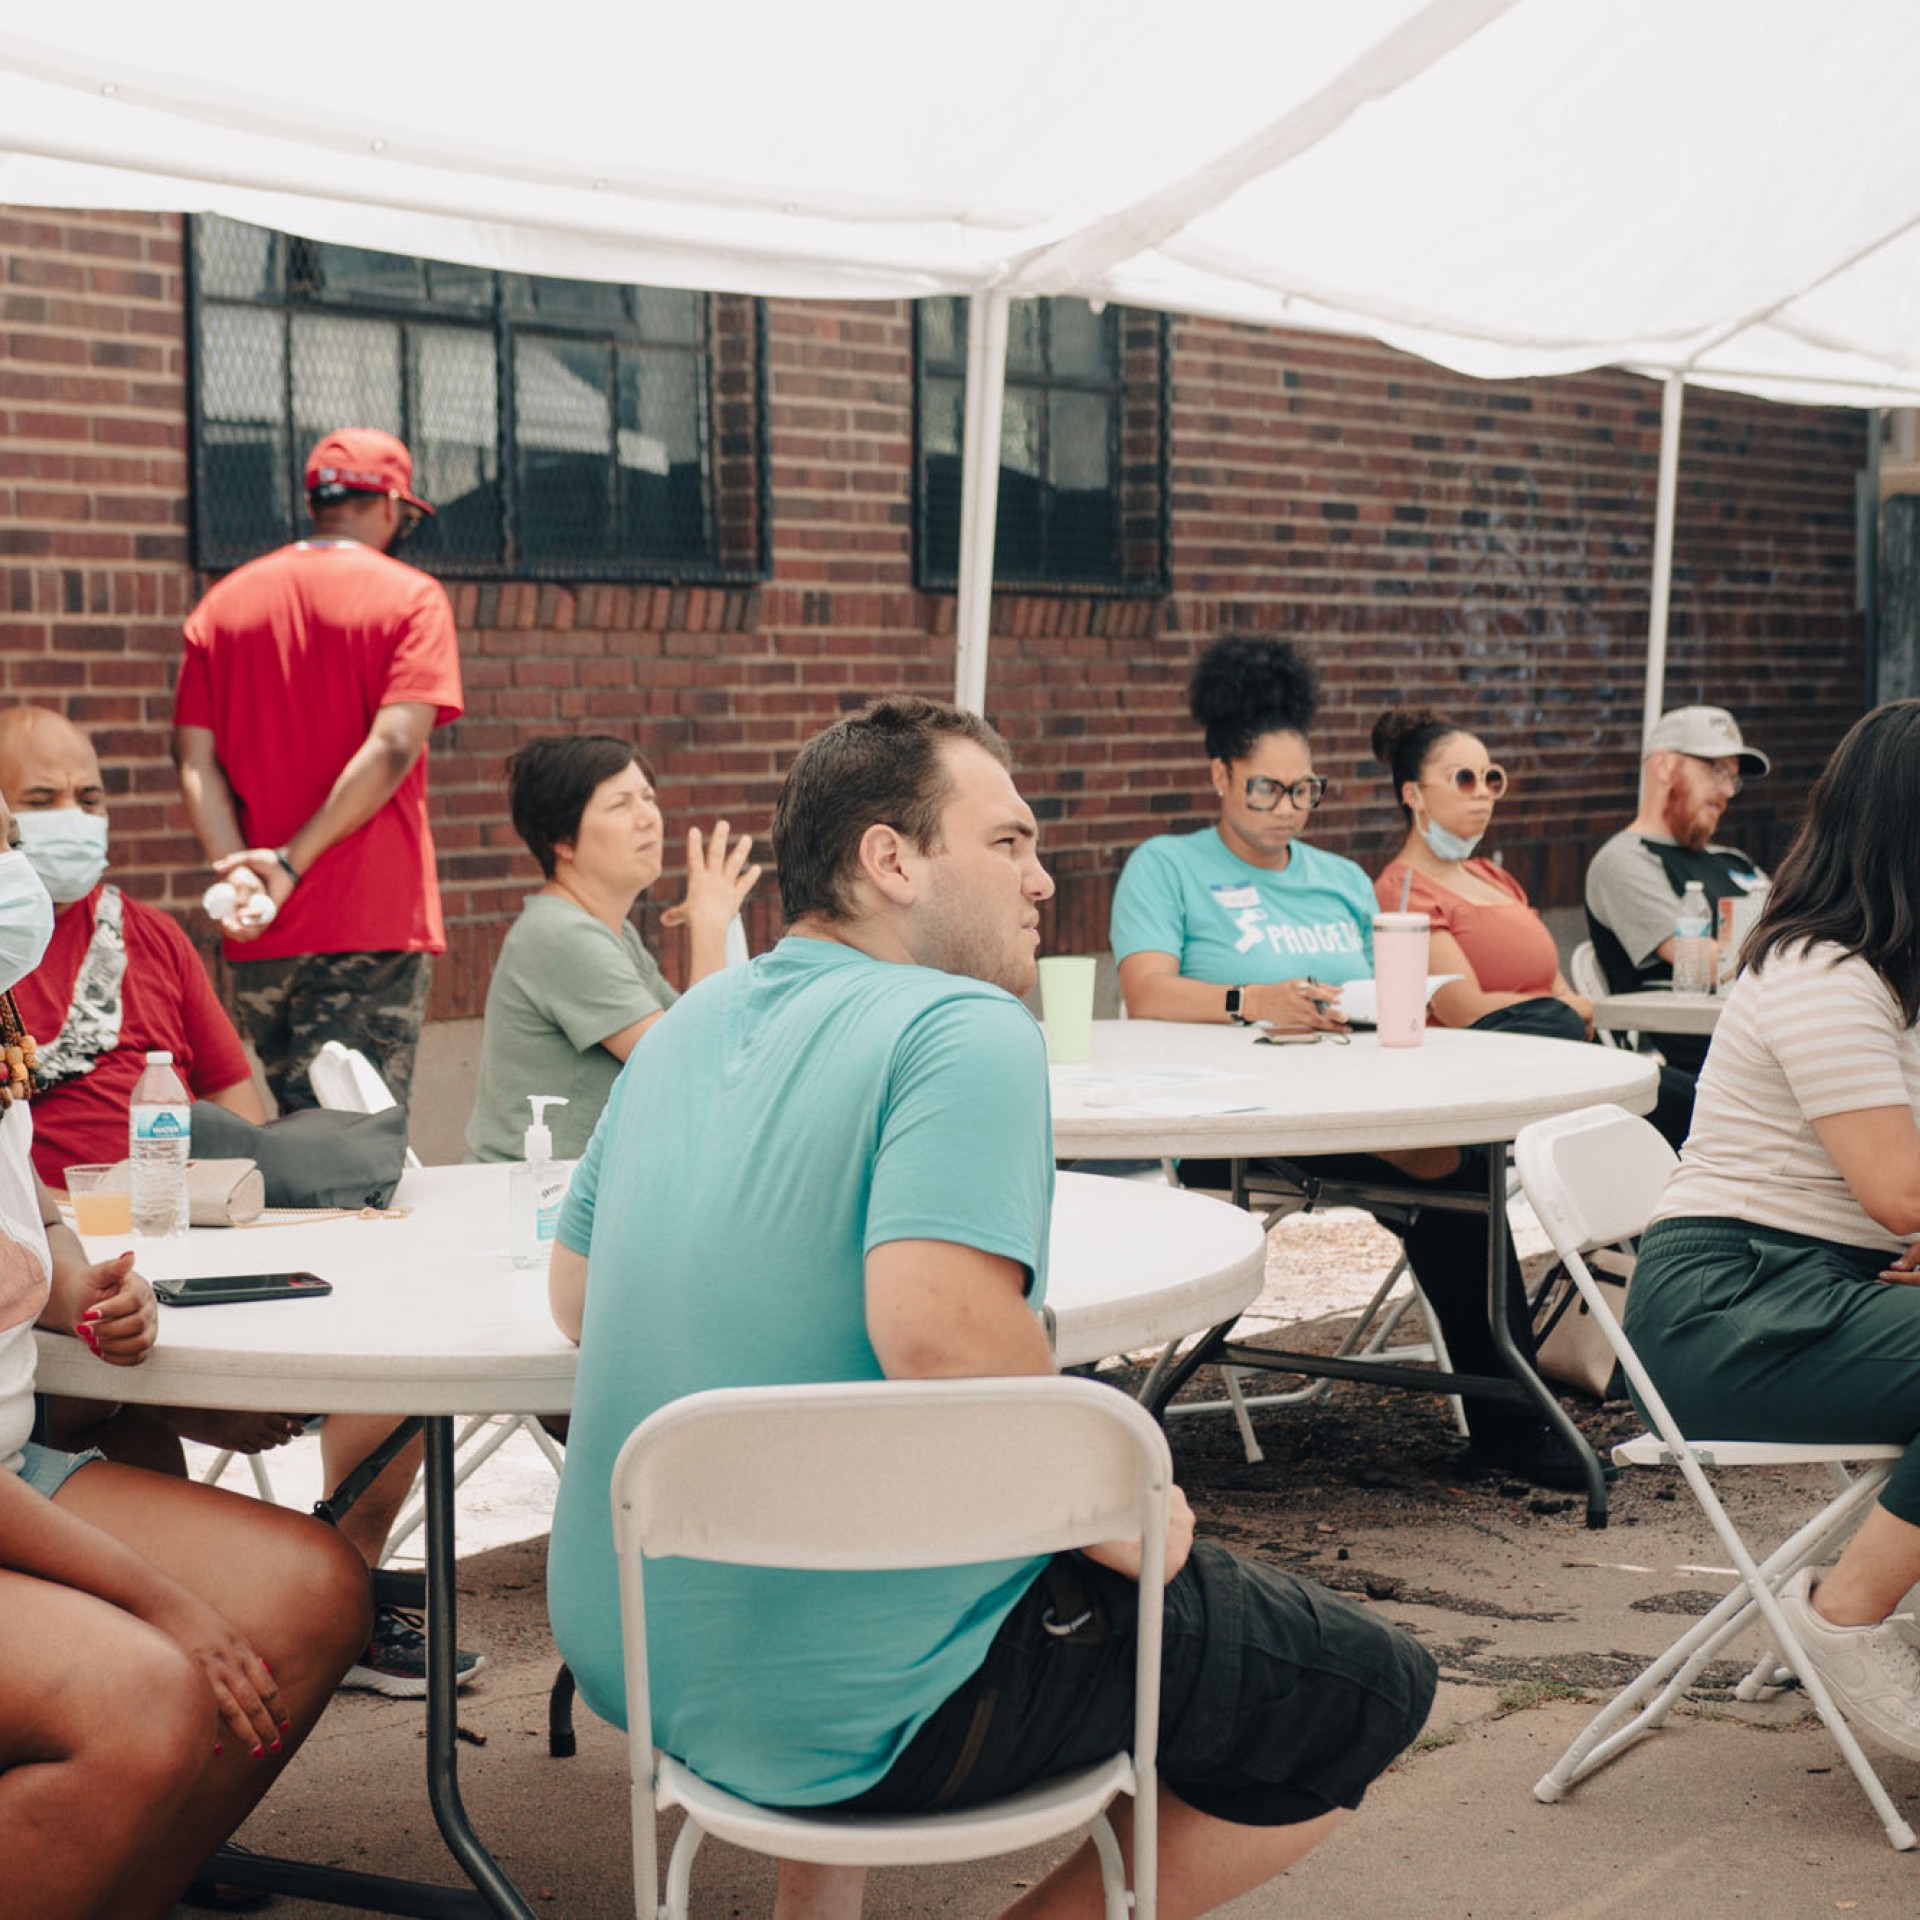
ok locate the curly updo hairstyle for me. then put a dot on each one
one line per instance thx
(1247, 685)
(1403, 738)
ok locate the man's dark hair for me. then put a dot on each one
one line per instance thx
(878, 767)
(550, 781)
(1852, 875)
(1246, 685)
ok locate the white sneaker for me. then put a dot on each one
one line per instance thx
(1873, 1673)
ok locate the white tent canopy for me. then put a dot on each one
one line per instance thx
(1727, 191)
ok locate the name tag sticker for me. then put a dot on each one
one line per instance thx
(1236, 899)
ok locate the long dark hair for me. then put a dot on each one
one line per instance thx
(1852, 875)
(1404, 737)
(1246, 685)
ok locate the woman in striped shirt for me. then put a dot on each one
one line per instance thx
(1777, 1295)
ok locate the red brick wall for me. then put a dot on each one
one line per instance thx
(1485, 546)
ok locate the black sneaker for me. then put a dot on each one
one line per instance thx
(395, 1662)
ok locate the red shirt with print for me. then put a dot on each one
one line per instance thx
(167, 1002)
(287, 662)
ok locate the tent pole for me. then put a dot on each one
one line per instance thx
(979, 493)
(1665, 504)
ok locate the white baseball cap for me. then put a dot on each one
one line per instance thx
(1705, 733)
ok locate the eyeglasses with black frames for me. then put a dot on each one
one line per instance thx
(1263, 795)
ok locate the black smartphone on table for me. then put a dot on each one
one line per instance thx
(217, 1289)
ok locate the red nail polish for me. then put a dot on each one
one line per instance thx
(276, 1746)
(259, 1753)
(218, 1749)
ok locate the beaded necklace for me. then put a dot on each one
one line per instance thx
(17, 1053)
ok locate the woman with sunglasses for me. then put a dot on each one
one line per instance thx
(1244, 921)
(1482, 928)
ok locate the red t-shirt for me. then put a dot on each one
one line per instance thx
(167, 1002)
(287, 662)
(1506, 943)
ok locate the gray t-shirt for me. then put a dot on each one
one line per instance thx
(564, 982)
(1630, 892)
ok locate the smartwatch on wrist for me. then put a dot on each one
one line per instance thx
(1234, 997)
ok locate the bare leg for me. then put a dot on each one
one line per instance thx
(135, 1436)
(809, 1892)
(345, 1440)
(105, 1726)
(1204, 1862)
(1874, 1571)
(295, 1590)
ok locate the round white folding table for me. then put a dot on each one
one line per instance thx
(1657, 1010)
(428, 1317)
(1164, 1089)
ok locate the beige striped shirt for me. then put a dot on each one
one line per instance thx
(1812, 1034)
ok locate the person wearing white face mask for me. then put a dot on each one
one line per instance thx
(1482, 928)
(119, 976)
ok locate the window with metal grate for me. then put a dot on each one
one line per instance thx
(561, 428)
(1082, 498)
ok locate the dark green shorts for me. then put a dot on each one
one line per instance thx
(1279, 1701)
(1753, 1333)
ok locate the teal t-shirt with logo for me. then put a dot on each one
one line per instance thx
(792, 1115)
(1240, 925)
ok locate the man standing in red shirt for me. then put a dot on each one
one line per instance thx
(312, 680)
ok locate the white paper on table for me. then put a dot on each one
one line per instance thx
(1361, 1005)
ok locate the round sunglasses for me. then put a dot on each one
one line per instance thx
(1464, 780)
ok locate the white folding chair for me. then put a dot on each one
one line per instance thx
(346, 1081)
(1585, 976)
(1593, 1178)
(891, 1474)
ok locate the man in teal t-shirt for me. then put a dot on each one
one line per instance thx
(836, 1164)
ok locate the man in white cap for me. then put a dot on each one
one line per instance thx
(1694, 765)
(312, 680)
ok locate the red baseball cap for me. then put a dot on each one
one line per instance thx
(364, 460)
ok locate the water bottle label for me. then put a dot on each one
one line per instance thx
(162, 1125)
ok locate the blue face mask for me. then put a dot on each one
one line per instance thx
(68, 849)
(26, 919)
(1446, 845)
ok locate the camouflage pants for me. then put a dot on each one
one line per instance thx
(291, 1008)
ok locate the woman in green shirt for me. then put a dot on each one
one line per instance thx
(574, 987)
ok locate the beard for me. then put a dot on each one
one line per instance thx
(958, 940)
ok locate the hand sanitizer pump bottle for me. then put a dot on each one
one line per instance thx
(535, 1188)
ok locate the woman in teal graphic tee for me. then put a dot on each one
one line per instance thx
(1244, 921)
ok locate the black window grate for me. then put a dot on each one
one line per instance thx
(1082, 495)
(562, 428)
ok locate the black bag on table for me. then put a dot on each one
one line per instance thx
(316, 1157)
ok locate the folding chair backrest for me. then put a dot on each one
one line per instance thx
(1593, 1177)
(346, 1080)
(891, 1473)
(1583, 971)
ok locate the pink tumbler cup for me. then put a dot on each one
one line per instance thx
(1400, 977)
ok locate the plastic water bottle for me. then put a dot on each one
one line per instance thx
(1693, 952)
(160, 1141)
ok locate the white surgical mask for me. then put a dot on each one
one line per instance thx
(1444, 844)
(68, 848)
(26, 919)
